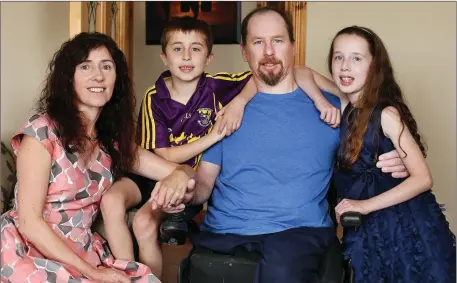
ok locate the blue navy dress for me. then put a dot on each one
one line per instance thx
(409, 242)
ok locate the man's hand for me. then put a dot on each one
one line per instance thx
(231, 116)
(171, 190)
(329, 113)
(177, 206)
(187, 198)
(391, 162)
(174, 209)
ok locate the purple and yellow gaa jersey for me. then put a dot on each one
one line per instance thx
(164, 122)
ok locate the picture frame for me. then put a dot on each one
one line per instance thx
(224, 18)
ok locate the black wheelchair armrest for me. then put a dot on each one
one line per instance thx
(351, 219)
(177, 226)
(174, 230)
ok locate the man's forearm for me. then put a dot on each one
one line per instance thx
(202, 193)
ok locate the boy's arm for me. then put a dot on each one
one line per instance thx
(227, 86)
(305, 80)
(233, 91)
(182, 153)
(231, 115)
(153, 133)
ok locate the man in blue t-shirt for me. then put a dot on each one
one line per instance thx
(268, 181)
(274, 171)
(271, 176)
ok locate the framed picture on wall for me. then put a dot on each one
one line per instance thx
(224, 17)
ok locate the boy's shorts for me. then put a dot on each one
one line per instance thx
(145, 185)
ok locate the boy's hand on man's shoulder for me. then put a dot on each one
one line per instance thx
(230, 116)
(215, 132)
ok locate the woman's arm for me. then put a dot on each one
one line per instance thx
(32, 192)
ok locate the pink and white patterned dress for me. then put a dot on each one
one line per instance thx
(70, 208)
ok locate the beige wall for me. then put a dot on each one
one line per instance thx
(420, 37)
(30, 34)
(421, 40)
(147, 65)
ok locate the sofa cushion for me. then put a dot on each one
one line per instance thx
(8, 176)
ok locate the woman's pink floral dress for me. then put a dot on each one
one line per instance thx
(70, 208)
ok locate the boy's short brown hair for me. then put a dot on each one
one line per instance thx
(186, 25)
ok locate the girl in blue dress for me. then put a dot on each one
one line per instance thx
(404, 236)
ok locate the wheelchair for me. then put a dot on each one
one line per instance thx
(206, 266)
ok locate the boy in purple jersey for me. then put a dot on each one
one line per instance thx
(176, 121)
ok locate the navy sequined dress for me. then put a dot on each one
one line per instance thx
(409, 242)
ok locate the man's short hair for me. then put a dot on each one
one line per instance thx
(263, 10)
(186, 25)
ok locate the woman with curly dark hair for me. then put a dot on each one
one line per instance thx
(68, 155)
(404, 236)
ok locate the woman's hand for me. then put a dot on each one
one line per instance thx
(109, 275)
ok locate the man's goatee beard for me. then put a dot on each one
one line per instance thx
(271, 78)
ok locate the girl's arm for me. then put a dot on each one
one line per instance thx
(323, 83)
(420, 179)
(305, 80)
(32, 192)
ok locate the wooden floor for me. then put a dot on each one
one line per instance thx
(172, 256)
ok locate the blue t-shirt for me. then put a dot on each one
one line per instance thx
(275, 169)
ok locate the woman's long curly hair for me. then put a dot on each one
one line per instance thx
(115, 126)
(380, 89)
